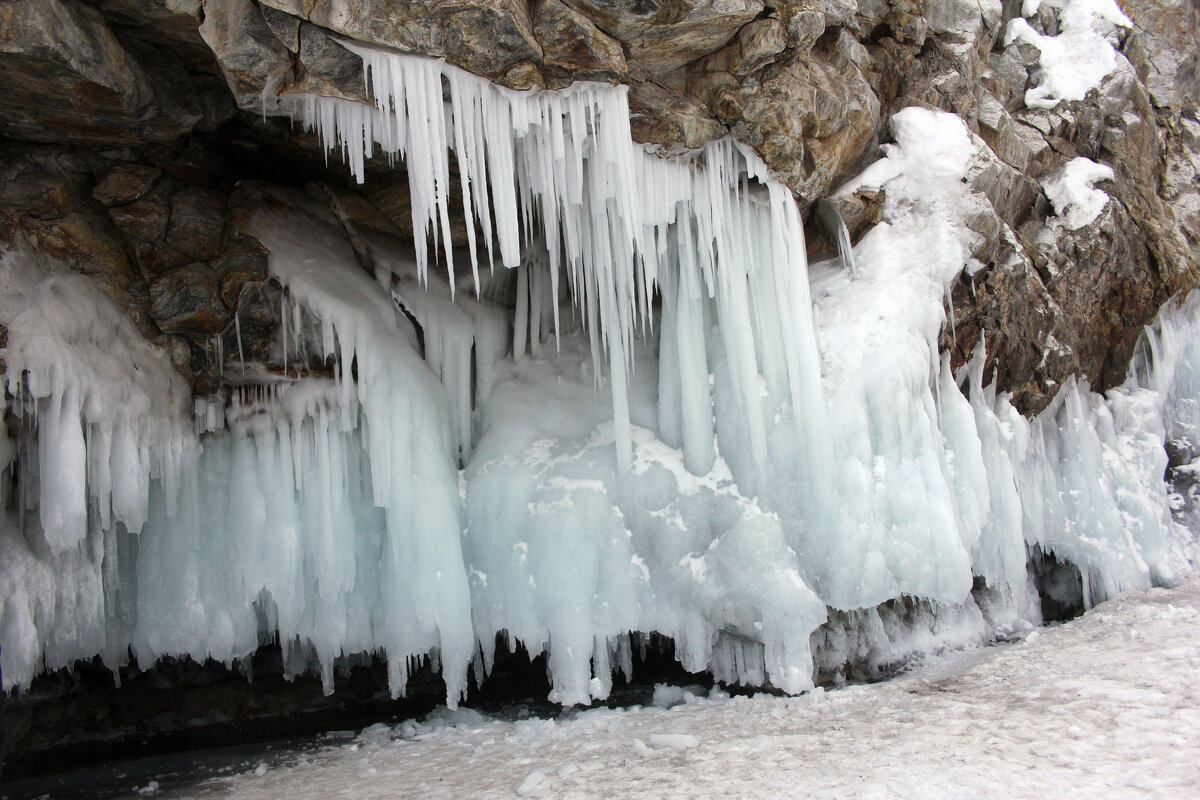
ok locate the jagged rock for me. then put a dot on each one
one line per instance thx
(812, 119)
(805, 27)
(196, 223)
(176, 20)
(254, 59)
(760, 42)
(840, 13)
(963, 19)
(487, 37)
(125, 183)
(241, 263)
(666, 117)
(144, 223)
(1164, 49)
(326, 67)
(859, 210)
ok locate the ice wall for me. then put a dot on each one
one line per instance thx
(762, 454)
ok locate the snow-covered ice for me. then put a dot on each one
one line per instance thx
(1073, 193)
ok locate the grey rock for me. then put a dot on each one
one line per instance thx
(254, 60)
(487, 37)
(805, 27)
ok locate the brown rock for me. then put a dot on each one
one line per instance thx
(125, 183)
(812, 119)
(187, 301)
(243, 263)
(486, 37)
(663, 36)
(572, 43)
(524, 75)
(196, 223)
(65, 77)
(666, 117)
(144, 222)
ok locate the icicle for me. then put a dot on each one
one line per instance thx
(564, 161)
(237, 328)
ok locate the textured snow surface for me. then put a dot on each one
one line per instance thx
(1105, 706)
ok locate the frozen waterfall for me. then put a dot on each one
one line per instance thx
(762, 457)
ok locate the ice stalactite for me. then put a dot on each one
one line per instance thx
(561, 166)
(99, 415)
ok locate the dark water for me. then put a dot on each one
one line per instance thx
(178, 759)
(162, 775)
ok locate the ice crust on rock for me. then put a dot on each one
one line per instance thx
(763, 455)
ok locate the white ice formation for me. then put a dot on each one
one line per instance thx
(753, 465)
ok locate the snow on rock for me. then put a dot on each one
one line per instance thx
(905, 520)
(1077, 202)
(1076, 60)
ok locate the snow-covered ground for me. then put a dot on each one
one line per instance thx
(1105, 706)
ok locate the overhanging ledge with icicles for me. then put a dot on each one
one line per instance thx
(759, 486)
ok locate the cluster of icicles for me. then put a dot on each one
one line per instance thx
(725, 495)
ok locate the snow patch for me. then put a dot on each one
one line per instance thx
(1077, 202)
(1076, 60)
